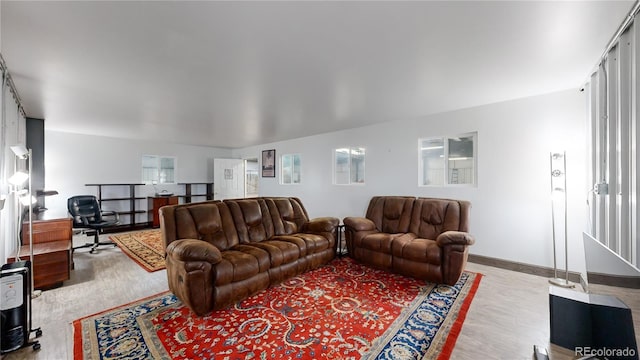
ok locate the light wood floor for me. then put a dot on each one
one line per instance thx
(509, 314)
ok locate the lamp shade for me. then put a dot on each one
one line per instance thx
(25, 198)
(20, 151)
(18, 178)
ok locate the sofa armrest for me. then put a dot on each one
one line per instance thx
(321, 224)
(455, 238)
(359, 223)
(194, 250)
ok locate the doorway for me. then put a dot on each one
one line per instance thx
(251, 182)
(228, 179)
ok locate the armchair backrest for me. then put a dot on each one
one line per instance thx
(209, 221)
(425, 217)
(84, 208)
(252, 218)
(391, 214)
(288, 215)
(227, 223)
(431, 217)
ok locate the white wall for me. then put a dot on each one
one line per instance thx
(510, 217)
(73, 160)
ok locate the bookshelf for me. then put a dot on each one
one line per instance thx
(129, 211)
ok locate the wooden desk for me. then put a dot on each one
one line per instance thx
(52, 243)
(155, 203)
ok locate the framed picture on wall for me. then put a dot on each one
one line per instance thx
(268, 163)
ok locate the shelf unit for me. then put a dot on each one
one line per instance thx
(188, 191)
(133, 209)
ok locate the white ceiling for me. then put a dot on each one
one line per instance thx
(235, 74)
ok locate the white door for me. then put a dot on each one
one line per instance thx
(228, 179)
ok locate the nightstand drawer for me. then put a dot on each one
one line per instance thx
(52, 255)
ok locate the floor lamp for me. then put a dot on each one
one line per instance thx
(558, 165)
(26, 199)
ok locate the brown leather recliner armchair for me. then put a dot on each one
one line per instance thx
(218, 253)
(419, 237)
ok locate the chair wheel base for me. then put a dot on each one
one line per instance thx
(94, 246)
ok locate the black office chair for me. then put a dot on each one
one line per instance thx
(86, 214)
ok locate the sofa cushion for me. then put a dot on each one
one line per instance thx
(432, 217)
(252, 220)
(300, 243)
(390, 214)
(210, 222)
(263, 257)
(282, 216)
(315, 243)
(409, 247)
(235, 266)
(379, 242)
(280, 252)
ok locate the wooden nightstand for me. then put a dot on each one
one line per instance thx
(155, 203)
(52, 243)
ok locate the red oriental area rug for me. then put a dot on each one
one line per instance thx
(343, 310)
(144, 247)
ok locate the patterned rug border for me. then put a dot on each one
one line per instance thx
(442, 347)
(77, 324)
(456, 328)
(126, 249)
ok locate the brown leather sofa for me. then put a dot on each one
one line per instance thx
(220, 252)
(418, 237)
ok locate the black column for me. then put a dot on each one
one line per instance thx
(35, 142)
